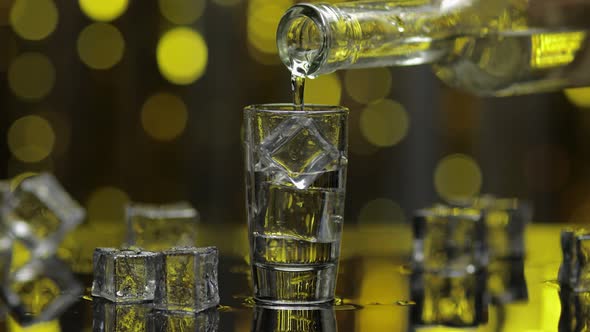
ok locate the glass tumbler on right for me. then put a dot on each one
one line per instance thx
(295, 185)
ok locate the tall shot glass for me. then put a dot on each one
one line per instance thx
(295, 183)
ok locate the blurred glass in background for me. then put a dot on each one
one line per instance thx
(142, 100)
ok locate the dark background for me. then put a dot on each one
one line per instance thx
(77, 87)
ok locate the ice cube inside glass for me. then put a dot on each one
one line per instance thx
(187, 279)
(40, 291)
(40, 212)
(124, 275)
(159, 227)
(296, 175)
(449, 240)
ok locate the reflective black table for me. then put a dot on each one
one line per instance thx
(373, 287)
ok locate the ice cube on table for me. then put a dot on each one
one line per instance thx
(40, 291)
(5, 263)
(187, 279)
(449, 240)
(506, 281)
(40, 212)
(506, 220)
(160, 227)
(574, 271)
(458, 300)
(575, 309)
(117, 317)
(124, 275)
(204, 321)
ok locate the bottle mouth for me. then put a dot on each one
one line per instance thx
(303, 40)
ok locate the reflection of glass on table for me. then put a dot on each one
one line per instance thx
(296, 174)
(294, 319)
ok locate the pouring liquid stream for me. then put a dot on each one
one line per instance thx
(298, 88)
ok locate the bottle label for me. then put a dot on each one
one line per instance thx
(555, 49)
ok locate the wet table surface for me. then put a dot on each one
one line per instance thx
(373, 292)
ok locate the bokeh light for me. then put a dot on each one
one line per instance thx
(579, 96)
(457, 176)
(61, 126)
(182, 55)
(107, 204)
(367, 85)
(100, 46)
(31, 76)
(182, 11)
(103, 10)
(325, 89)
(31, 138)
(381, 211)
(164, 116)
(384, 123)
(262, 21)
(33, 19)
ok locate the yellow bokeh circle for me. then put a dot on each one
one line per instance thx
(325, 89)
(103, 10)
(164, 116)
(262, 21)
(182, 55)
(31, 138)
(100, 46)
(579, 96)
(31, 76)
(367, 85)
(384, 123)
(107, 204)
(381, 211)
(33, 19)
(457, 176)
(182, 11)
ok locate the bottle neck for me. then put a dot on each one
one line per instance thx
(316, 39)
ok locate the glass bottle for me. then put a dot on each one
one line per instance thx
(488, 47)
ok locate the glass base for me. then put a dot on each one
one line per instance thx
(294, 284)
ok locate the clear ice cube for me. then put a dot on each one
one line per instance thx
(204, 321)
(160, 227)
(5, 262)
(117, 317)
(124, 275)
(187, 279)
(506, 282)
(449, 240)
(310, 215)
(299, 149)
(459, 301)
(574, 271)
(575, 310)
(506, 219)
(40, 212)
(40, 291)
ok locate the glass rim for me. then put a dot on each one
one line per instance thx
(286, 108)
